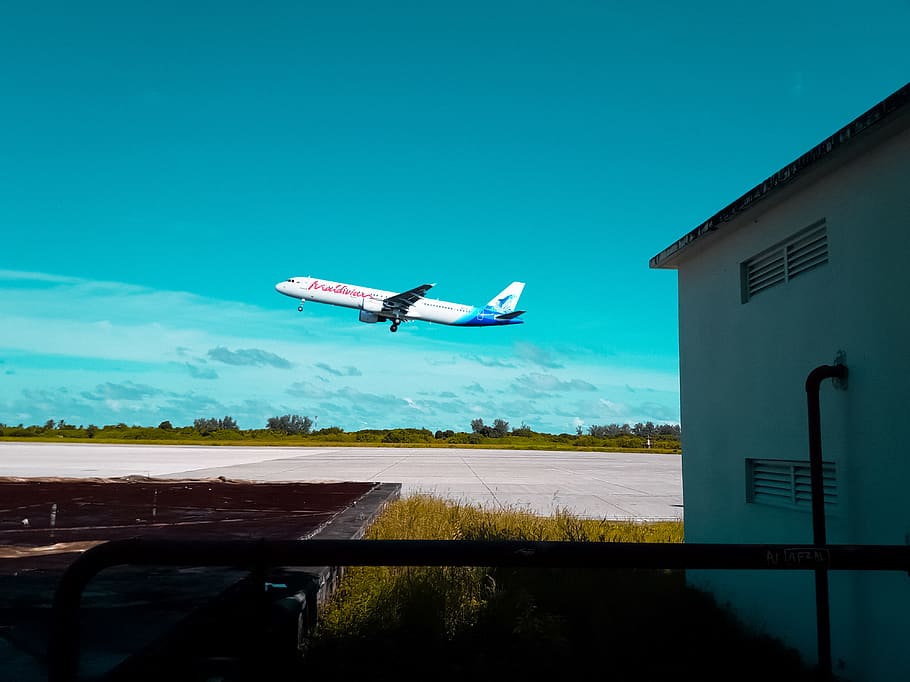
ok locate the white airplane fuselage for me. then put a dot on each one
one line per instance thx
(378, 305)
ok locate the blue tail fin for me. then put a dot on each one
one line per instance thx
(507, 300)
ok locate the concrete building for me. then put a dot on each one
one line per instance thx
(806, 267)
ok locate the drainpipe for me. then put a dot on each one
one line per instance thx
(838, 372)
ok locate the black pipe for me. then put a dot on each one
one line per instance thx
(819, 532)
(813, 384)
(260, 554)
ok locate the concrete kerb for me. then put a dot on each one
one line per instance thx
(350, 524)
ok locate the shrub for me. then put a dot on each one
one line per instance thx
(226, 434)
(329, 431)
(460, 438)
(408, 436)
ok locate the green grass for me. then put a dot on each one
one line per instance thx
(484, 623)
(312, 442)
(317, 442)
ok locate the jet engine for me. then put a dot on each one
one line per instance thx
(367, 316)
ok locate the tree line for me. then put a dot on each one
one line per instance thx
(621, 436)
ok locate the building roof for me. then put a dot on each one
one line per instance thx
(885, 110)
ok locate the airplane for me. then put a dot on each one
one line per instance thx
(376, 305)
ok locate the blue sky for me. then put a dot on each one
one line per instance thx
(165, 164)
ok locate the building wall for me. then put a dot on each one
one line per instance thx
(742, 373)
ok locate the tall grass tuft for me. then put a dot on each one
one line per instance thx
(457, 623)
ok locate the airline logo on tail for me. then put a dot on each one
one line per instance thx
(507, 300)
(377, 305)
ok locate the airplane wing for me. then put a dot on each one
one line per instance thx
(398, 305)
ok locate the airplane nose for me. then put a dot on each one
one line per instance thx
(280, 287)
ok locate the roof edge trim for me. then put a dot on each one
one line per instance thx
(882, 111)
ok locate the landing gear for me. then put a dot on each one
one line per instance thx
(394, 327)
(300, 307)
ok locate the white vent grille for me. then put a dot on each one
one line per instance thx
(787, 483)
(807, 252)
(802, 252)
(765, 271)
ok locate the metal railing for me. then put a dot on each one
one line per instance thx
(260, 555)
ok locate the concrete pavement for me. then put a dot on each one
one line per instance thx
(615, 486)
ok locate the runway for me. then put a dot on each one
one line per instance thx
(615, 486)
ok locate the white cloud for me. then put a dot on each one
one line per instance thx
(537, 355)
(248, 356)
(348, 371)
(22, 276)
(105, 352)
(537, 384)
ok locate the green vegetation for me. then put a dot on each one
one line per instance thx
(467, 623)
(297, 430)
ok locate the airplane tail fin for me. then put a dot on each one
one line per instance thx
(507, 300)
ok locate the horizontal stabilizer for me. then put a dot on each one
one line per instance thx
(509, 316)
